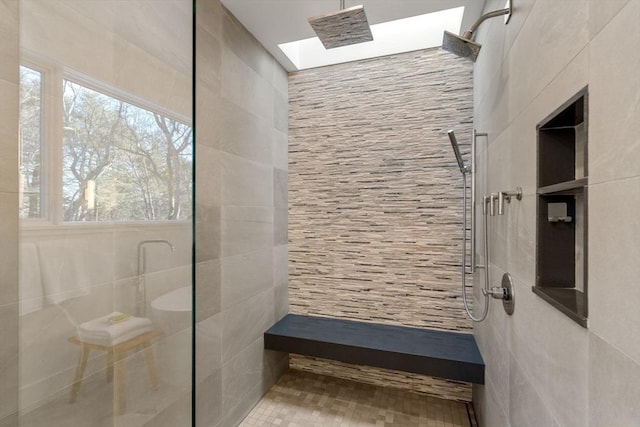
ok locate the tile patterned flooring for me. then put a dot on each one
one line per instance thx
(303, 399)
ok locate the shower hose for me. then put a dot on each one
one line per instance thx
(464, 257)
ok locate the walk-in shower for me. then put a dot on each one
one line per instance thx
(463, 45)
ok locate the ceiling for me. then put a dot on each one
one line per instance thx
(273, 22)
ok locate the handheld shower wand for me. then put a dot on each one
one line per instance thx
(456, 150)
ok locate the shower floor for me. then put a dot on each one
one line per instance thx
(302, 399)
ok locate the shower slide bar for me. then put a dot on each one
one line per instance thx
(464, 170)
(469, 169)
(474, 136)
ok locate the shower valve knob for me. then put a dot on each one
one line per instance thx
(499, 292)
(492, 200)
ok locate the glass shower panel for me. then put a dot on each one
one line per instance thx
(105, 206)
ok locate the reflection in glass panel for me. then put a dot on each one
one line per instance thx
(105, 274)
(30, 143)
(122, 162)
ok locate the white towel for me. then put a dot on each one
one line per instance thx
(63, 266)
(31, 296)
(103, 331)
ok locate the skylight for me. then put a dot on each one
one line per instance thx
(402, 35)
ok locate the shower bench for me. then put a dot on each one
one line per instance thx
(449, 355)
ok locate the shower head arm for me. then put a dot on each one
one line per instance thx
(506, 11)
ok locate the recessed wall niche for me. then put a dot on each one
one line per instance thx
(561, 268)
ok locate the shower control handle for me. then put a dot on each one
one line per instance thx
(492, 200)
(507, 195)
(498, 292)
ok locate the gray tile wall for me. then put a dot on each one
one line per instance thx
(375, 198)
(9, 327)
(542, 368)
(241, 185)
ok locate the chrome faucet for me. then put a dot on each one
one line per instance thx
(141, 290)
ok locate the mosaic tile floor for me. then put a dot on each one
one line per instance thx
(301, 399)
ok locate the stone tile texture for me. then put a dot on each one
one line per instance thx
(375, 198)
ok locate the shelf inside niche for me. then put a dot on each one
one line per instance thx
(576, 185)
(569, 301)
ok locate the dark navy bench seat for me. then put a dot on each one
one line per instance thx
(449, 355)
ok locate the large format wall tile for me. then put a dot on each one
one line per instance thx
(208, 288)
(242, 378)
(209, 188)
(246, 182)
(239, 41)
(209, 400)
(280, 152)
(208, 57)
(543, 49)
(614, 386)
(240, 282)
(208, 232)
(601, 12)
(208, 349)
(245, 322)
(614, 99)
(280, 281)
(613, 271)
(526, 406)
(244, 134)
(483, 398)
(246, 229)
(244, 87)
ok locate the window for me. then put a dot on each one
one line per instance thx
(116, 161)
(30, 143)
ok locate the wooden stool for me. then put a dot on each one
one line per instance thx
(116, 356)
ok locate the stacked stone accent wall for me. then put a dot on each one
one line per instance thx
(375, 199)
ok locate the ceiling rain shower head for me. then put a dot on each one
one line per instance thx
(342, 28)
(463, 45)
